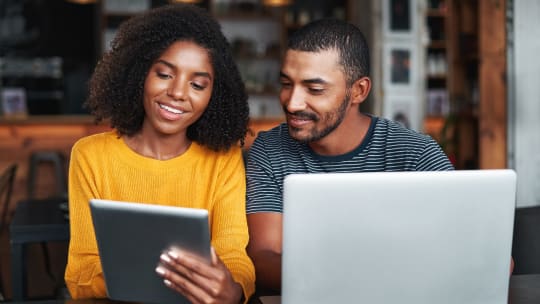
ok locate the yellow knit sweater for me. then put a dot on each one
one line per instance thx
(103, 166)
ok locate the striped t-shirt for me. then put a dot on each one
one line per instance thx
(388, 146)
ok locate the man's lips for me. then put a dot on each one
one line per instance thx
(298, 120)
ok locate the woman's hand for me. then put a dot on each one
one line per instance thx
(197, 280)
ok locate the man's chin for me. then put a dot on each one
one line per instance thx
(299, 135)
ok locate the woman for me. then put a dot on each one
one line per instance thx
(172, 93)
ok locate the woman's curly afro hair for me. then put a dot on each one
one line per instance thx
(116, 87)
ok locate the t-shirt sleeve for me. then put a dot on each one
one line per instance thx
(264, 192)
(433, 158)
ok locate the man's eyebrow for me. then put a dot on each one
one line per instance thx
(316, 80)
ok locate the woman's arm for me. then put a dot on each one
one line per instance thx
(83, 276)
(232, 271)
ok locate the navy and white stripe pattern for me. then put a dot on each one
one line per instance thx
(388, 146)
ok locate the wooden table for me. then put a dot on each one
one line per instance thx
(524, 289)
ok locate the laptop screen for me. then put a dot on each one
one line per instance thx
(398, 237)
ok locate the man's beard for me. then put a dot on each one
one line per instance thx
(332, 120)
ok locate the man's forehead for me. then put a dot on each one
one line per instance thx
(303, 65)
(329, 54)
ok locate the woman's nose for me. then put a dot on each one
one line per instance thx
(177, 89)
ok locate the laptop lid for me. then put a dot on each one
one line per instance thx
(131, 237)
(398, 237)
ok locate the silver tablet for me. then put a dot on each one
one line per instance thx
(131, 237)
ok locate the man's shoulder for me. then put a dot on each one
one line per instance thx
(397, 139)
(276, 146)
(395, 131)
(276, 132)
(275, 137)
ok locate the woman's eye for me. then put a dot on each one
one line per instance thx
(197, 86)
(163, 75)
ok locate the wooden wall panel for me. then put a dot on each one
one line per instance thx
(492, 84)
(18, 139)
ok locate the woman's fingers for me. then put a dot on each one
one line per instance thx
(190, 271)
(184, 285)
(196, 278)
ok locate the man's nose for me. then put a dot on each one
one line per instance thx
(295, 100)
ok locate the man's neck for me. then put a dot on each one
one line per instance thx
(345, 138)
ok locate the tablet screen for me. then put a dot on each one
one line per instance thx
(131, 237)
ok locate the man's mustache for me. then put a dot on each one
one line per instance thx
(302, 115)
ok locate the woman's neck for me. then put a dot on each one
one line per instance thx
(158, 146)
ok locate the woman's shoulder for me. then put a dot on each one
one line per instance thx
(96, 141)
(201, 150)
(224, 160)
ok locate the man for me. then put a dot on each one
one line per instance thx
(324, 79)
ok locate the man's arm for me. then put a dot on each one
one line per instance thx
(264, 248)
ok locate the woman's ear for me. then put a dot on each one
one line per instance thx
(360, 90)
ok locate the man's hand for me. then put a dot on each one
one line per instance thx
(197, 280)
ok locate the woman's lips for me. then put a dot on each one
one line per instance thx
(169, 112)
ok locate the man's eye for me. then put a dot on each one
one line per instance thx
(285, 84)
(316, 91)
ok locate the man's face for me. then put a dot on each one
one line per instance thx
(313, 94)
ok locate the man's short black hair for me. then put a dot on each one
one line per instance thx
(344, 37)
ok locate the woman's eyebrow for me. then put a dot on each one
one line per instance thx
(172, 66)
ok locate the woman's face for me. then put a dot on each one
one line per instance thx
(177, 89)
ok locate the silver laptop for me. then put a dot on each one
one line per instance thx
(401, 237)
(131, 237)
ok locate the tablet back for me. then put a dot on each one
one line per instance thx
(131, 237)
(398, 237)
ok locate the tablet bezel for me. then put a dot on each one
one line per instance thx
(131, 236)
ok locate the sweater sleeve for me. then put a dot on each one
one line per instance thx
(229, 224)
(83, 276)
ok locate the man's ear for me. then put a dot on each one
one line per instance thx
(360, 90)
